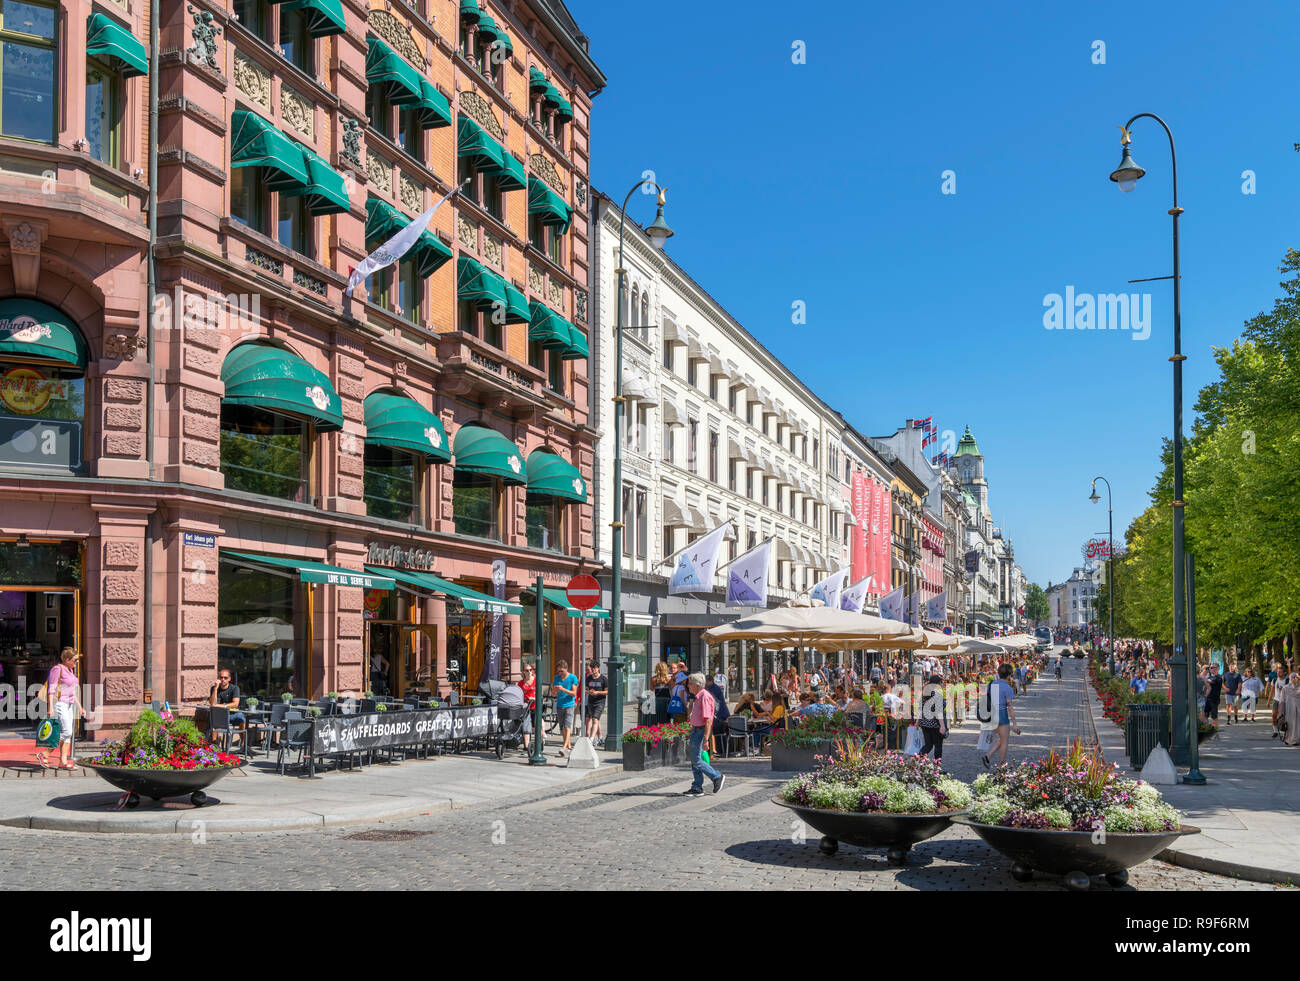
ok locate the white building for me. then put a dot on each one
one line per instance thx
(716, 429)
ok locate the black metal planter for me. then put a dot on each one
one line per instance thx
(157, 784)
(1077, 855)
(896, 832)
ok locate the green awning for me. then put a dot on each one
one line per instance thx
(548, 327)
(471, 141)
(556, 597)
(326, 190)
(482, 286)
(434, 111)
(577, 349)
(503, 41)
(383, 221)
(482, 450)
(323, 17)
(331, 575)
(384, 66)
(545, 202)
(256, 143)
(551, 96)
(106, 39)
(469, 8)
(511, 176)
(403, 424)
(517, 309)
(269, 378)
(31, 329)
(471, 599)
(536, 80)
(550, 475)
(564, 110)
(487, 27)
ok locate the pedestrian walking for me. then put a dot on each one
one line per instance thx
(63, 703)
(1251, 688)
(1232, 692)
(702, 712)
(934, 719)
(1001, 695)
(597, 691)
(564, 687)
(1288, 709)
(1213, 691)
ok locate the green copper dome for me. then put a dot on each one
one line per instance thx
(967, 446)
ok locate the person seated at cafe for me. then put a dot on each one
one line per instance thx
(841, 697)
(811, 705)
(225, 692)
(857, 703)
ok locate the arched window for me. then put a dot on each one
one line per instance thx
(402, 438)
(42, 389)
(645, 316)
(553, 483)
(485, 462)
(634, 320)
(274, 404)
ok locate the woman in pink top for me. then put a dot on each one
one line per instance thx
(63, 703)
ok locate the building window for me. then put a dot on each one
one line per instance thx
(668, 355)
(642, 525)
(713, 455)
(379, 110)
(731, 475)
(255, 17)
(627, 520)
(103, 114)
(475, 504)
(484, 191)
(692, 439)
(298, 45)
(252, 607)
(410, 134)
(249, 199)
(555, 373)
(398, 289)
(691, 374)
(44, 400)
(668, 540)
(816, 456)
(713, 387)
(731, 397)
(542, 523)
(749, 482)
(669, 444)
(546, 239)
(390, 481)
(264, 452)
(645, 316)
(27, 82)
(296, 227)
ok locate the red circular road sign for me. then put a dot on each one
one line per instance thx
(583, 592)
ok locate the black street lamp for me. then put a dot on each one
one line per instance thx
(1110, 557)
(1126, 175)
(659, 233)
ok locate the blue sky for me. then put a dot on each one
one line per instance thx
(822, 182)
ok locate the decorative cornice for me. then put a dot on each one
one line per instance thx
(478, 109)
(397, 34)
(545, 169)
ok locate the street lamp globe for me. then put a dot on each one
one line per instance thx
(1128, 173)
(658, 231)
(1095, 497)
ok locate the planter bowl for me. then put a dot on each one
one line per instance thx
(157, 784)
(1075, 854)
(897, 832)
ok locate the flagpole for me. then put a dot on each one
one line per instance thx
(672, 555)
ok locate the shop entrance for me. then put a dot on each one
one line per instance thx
(677, 645)
(400, 658)
(36, 623)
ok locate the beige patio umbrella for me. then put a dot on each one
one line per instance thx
(1017, 642)
(817, 628)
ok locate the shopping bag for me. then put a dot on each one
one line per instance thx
(48, 732)
(988, 739)
(912, 745)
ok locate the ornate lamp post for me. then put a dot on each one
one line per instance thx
(1126, 175)
(659, 233)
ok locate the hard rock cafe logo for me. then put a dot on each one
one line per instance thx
(434, 438)
(514, 464)
(1096, 548)
(26, 391)
(319, 397)
(577, 485)
(24, 329)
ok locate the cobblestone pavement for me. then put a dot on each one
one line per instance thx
(621, 831)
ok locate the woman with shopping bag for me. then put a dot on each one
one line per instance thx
(63, 706)
(997, 718)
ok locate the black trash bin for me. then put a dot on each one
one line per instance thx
(1147, 726)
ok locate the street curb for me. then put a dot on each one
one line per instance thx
(1232, 870)
(191, 820)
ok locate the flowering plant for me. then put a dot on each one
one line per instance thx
(809, 730)
(655, 734)
(1073, 792)
(878, 783)
(155, 743)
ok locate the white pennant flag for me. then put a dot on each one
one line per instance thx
(396, 247)
(854, 597)
(696, 564)
(892, 606)
(747, 577)
(829, 589)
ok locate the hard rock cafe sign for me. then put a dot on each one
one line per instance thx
(27, 391)
(400, 558)
(1096, 548)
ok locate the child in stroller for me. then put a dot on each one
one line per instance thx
(514, 723)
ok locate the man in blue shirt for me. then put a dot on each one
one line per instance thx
(1139, 683)
(565, 688)
(807, 707)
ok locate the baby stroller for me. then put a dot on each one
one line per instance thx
(513, 720)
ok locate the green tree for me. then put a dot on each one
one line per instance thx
(1036, 607)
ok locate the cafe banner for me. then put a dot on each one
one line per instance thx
(351, 733)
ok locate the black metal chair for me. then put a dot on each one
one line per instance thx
(737, 728)
(297, 736)
(219, 728)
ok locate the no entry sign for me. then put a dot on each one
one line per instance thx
(583, 592)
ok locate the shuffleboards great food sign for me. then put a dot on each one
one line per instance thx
(351, 733)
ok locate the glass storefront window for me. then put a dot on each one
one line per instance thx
(542, 521)
(263, 453)
(634, 643)
(42, 407)
(103, 114)
(389, 484)
(474, 500)
(259, 629)
(40, 564)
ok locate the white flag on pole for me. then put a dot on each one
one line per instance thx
(396, 247)
(697, 562)
(747, 577)
(892, 606)
(854, 597)
(829, 589)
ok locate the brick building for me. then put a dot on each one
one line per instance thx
(214, 453)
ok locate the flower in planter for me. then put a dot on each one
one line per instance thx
(287, 697)
(332, 694)
(381, 707)
(155, 743)
(879, 783)
(252, 703)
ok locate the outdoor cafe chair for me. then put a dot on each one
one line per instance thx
(737, 728)
(297, 736)
(219, 728)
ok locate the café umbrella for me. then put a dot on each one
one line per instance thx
(817, 628)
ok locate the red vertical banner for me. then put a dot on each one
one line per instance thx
(862, 514)
(884, 539)
(873, 559)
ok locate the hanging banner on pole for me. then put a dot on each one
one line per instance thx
(492, 663)
(697, 563)
(396, 247)
(862, 515)
(937, 608)
(854, 597)
(747, 577)
(892, 605)
(829, 589)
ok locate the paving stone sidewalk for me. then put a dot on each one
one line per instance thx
(1249, 809)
